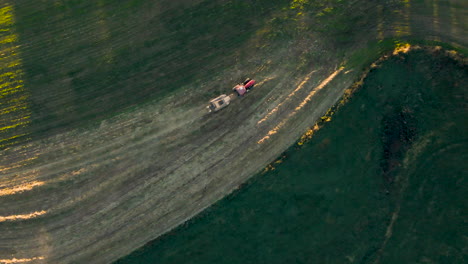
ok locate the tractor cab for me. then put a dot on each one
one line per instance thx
(244, 87)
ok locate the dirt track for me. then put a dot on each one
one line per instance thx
(94, 194)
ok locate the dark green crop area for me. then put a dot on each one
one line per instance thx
(383, 182)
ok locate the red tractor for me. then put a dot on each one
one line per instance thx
(223, 100)
(245, 87)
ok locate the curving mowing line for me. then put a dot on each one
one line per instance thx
(265, 80)
(299, 87)
(22, 260)
(302, 104)
(318, 88)
(20, 188)
(21, 217)
(21, 163)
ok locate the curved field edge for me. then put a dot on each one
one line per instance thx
(267, 216)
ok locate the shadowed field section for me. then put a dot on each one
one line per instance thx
(384, 182)
(105, 140)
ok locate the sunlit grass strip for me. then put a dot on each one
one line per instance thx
(19, 140)
(6, 16)
(264, 81)
(8, 39)
(14, 110)
(19, 164)
(22, 217)
(318, 88)
(7, 84)
(298, 4)
(21, 260)
(6, 52)
(15, 125)
(11, 74)
(299, 87)
(401, 47)
(19, 121)
(20, 99)
(20, 188)
(300, 106)
(13, 137)
(11, 90)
